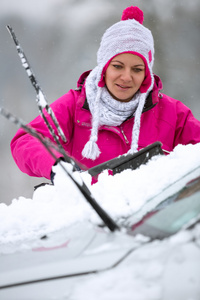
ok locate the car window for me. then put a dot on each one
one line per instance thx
(173, 217)
(172, 214)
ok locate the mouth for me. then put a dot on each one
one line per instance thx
(123, 87)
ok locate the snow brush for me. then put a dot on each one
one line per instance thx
(48, 144)
(40, 98)
(128, 161)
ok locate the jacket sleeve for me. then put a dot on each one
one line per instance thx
(188, 127)
(29, 154)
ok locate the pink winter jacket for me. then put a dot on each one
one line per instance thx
(163, 119)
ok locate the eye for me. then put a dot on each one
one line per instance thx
(138, 70)
(117, 66)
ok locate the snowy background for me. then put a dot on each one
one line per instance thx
(60, 39)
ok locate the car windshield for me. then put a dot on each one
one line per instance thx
(166, 219)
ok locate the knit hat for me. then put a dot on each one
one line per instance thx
(125, 36)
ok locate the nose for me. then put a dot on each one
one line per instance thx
(126, 75)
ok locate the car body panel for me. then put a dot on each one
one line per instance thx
(80, 249)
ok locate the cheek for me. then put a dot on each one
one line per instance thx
(108, 78)
(110, 75)
(140, 79)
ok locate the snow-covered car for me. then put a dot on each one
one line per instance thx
(155, 255)
(53, 247)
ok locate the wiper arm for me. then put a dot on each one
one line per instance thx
(47, 143)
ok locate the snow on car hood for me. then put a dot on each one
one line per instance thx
(54, 207)
(161, 270)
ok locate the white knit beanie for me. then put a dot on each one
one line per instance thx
(128, 35)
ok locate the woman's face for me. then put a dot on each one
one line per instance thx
(124, 76)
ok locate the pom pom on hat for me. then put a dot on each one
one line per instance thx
(133, 12)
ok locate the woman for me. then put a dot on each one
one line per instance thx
(117, 108)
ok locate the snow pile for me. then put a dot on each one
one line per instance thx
(54, 207)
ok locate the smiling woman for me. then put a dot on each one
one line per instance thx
(118, 107)
(124, 76)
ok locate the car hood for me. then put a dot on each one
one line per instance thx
(79, 249)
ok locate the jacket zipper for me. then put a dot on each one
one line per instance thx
(126, 140)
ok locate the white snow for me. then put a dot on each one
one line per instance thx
(58, 206)
(149, 272)
(161, 270)
(41, 99)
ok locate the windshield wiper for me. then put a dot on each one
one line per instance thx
(48, 144)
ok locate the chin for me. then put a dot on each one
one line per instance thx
(123, 99)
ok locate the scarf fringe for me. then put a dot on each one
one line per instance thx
(91, 150)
